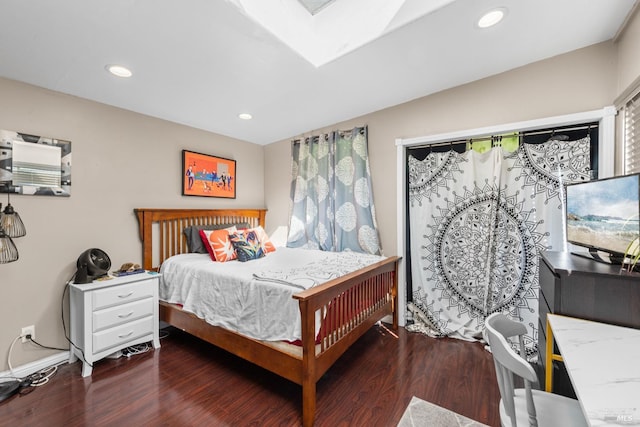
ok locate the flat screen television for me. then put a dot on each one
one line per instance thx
(604, 216)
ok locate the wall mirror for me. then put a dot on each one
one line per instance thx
(31, 164)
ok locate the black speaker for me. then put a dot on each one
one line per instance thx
(92, 264)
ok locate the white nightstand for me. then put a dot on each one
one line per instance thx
(109, 315)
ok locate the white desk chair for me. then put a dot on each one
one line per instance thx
(525, 407)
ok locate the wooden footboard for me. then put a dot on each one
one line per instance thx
(348, 306)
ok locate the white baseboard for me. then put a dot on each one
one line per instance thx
(35, 366)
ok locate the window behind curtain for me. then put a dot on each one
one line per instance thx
(632, 134)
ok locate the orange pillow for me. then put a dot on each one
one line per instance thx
(267, 245)
(218, 244)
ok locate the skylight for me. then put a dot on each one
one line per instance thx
(340, 27)
(314, 6)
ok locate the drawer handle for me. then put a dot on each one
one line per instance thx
(123, 316)
(125, 296)
(125, 335)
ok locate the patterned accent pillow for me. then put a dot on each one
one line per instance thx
(218, 244)
(196, 244)
(267, 245)
(247, 246)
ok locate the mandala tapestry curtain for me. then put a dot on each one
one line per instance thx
(331, 194)
(477, 223)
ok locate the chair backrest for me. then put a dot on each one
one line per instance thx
(498, 328)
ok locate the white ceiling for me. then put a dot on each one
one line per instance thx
(201, 62)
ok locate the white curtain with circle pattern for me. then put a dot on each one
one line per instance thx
(478, 222)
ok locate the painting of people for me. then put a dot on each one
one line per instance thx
(208, 176)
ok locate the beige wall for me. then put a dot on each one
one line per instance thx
(121, 160)
(628, 46)
(628, 74)
(582, 80)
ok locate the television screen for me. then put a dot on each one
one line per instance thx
(604, 214)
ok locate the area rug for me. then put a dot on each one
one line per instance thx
(420, 413)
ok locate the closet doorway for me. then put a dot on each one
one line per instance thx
(471, 222)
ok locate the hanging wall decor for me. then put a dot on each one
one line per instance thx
(208, 176)
(31, 164)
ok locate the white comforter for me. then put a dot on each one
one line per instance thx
(254, 298)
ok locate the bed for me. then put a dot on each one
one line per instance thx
(348, 305)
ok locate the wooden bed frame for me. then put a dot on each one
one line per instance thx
(349, 305)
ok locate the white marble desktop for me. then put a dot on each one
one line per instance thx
(603, 362)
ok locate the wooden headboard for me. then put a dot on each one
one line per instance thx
(161, 229)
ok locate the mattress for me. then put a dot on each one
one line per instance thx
(254, 298)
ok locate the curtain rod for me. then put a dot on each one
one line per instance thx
(560, 130)
(362, 131)
(508, 134)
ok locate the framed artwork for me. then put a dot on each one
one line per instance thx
(208, 176)
(32, 164)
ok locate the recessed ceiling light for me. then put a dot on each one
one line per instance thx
(245, 116)
(492, 17)
(119, 70)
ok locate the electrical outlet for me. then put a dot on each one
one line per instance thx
(28, 330)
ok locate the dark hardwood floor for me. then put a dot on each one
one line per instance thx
(188, 382)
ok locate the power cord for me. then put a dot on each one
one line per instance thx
(136, 349)
(40, 378)
(9, 355)
(64, 328)
(30, 338)
(132, 350)
(36, 379)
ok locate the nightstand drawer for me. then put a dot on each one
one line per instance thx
(122, 313)
(122, 294)
(121, 334)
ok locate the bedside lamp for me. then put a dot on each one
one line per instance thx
(11, 222)
(8, 250)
